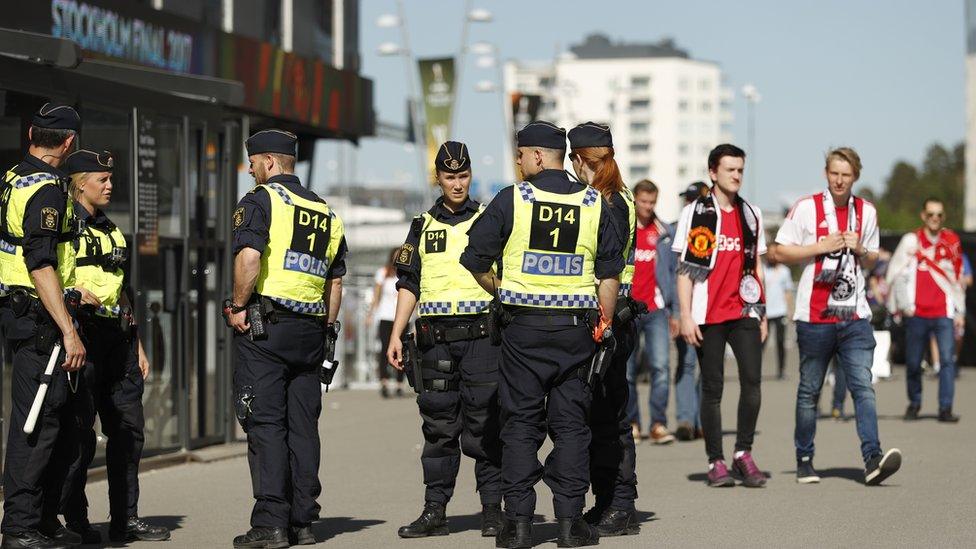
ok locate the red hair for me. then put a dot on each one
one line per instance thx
(606, 174)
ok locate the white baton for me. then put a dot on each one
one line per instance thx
(42, 390)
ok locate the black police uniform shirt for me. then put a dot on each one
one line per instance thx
(103, 224)
(408, 275)
(40, 235)
(489, 233)
(256, 220)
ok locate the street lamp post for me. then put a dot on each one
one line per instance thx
(477, 15)
(753, 97)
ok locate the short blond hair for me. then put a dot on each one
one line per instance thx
(76, 180)
(847, 154)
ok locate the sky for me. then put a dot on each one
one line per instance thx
(886, 77)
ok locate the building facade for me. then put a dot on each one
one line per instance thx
(666, 110)
(172, 88)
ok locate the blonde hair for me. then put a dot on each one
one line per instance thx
(846, 154)
(76, 180)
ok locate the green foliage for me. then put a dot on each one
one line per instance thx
(906, 187)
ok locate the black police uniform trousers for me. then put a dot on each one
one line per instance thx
(613, 455)
(540, 391)
(281, 420)
(112, 388)
(26, 472)
(462, 418)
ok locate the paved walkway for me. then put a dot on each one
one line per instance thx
(372, 483)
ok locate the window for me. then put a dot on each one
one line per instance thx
(639, 127)
(640, 104)
(683, 149)
(704, 85)
(640, 82)
(640, 147)
(683, 84)
(683, 105)
(639, 172)
(706, 106)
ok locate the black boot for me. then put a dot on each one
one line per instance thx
(946, 416)
(301, 534)
(615, 522)
(136, 529)
(431, 522)
(911, 413)
(491, 519)
(58, 533)
(30, 539)
(89, 535)
(514, 534)
(595, 513)
(576, 533)
(262, 538)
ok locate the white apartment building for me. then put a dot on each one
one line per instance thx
(665, 109)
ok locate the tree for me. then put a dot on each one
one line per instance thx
(906, 187)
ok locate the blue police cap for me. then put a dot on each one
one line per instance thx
(272, 141)
(56, 117)
(542, 134)
(84, 160)
(452, 157)
(590, 134)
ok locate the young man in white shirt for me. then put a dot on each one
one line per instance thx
(834, 236)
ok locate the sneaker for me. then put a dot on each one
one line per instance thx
(805, 473)
(685, 431)
(881, 467)
(59, 534)
(946, 416)
(384, 391)
(660, 434)
(635, 432)
(718, 475)
(746, 467)
(911, 413)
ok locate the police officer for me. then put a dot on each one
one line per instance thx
(288, 266)
(116, 363)
(553, 235)
(458, 381)
(37, 262)
(613, 457)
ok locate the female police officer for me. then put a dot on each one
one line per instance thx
(612, 453)
(459, 366)
(117, 363)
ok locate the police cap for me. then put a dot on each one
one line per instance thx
(56, 117)
(452, 157)
(272, 141)
(84, 160)
(590, 134)
(694, 190)
(542, 134)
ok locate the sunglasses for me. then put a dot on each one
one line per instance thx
(930, 215)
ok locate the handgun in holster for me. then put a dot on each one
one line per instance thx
(327, 373)
(601, 359)
(410, 360)
(498, 318)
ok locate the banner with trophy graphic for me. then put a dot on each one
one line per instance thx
(437, 86)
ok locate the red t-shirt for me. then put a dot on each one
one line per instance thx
(930, 300)
(645, 267)
(724, 303)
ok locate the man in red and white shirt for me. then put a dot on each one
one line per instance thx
(720, 238)
(924, 273)
(833, 235)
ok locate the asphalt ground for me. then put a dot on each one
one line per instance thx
(372, 482)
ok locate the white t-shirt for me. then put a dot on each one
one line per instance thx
(800, 229)
(778, 282)
(386, 308)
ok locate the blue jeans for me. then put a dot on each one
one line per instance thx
(687, 389)
(657, 345)
(840, 388)
(917, 334)
(853, 344)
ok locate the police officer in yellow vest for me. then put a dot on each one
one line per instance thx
(612, 453)
(554, 235)
(458, 366)
(116, 364)
(36, 263)
(289, 259)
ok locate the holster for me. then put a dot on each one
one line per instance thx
(326, 374)
(498, 318)
(409, 359)
(331, 337)
(436, 382)
(601, 360)
(424, 330)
